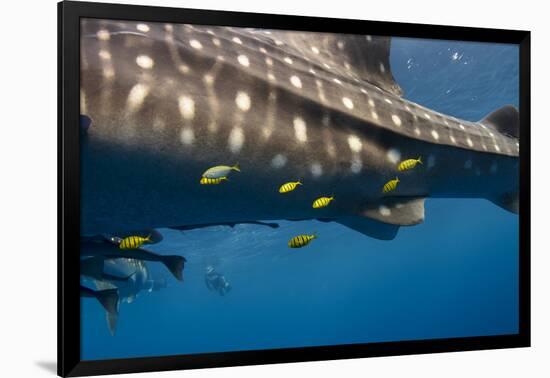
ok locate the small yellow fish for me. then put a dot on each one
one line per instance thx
(289, 186)
(220, 171)
(408, 164)
(301, 241)
(213, 181)
(133, 242)
(390, 185)
(322, 202)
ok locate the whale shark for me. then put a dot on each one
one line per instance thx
(161, 103)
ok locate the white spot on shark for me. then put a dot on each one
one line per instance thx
(384, 211)
(187, 107)
(374, 115)
(497, 148)
(300, 130)
(195, 44)
(243, 60)
(279, 161)
(347, 102)
(382, 68)
(393, 155)
(271, 77)
(104, 54)
(143, 28)
(355, 143)
(337, 81)
(216, 42)
(237, 40)
(145, 61)
(108, 72)
(427, 116)
(184, 69)
(242, 99)
(208, 79)
(268, 61)
(388, 101)
(315, 49)
(371, 103)
(396, 120)
(103, 35)
(452, 138)
(295, 80)
(137, 96)
(435, 135)
(316, 169)
(187, 136)
(356, 164)
(236, 140)
(469, 141)
(417, 131)
(288, 60)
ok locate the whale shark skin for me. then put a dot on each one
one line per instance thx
(162, 103)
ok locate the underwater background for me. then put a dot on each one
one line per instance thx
(455, 275)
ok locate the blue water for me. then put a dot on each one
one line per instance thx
(454, 275)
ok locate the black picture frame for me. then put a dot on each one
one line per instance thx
(69, 362)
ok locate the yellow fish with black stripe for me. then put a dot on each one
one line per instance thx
(289, 186)
(301, 241)
(390, 185)
(213, 181)
(133, 242)
(405, 165)
(322, 202)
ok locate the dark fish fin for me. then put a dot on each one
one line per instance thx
(401, 211)
(505, 120)
(109, 300)
(369, 227)
(175, 265)
(111, 322)
(508, 201)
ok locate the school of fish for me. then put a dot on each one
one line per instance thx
(218, 174)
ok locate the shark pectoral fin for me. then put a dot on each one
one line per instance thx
(109, 299)
(401, 211)
(505, 120)
(369, 227)
(175, 265)
(508, 201)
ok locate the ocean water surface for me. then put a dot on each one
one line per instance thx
(455, 275)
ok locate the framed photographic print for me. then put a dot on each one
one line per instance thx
(241, 188)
